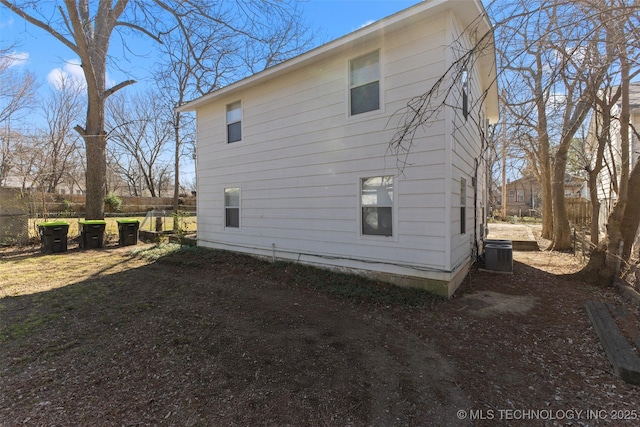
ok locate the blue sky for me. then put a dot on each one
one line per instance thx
(40, 53)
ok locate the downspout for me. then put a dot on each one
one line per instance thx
(475, 210)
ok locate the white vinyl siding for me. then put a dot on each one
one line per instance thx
(301, 160)
(304, 160)
(466, 146)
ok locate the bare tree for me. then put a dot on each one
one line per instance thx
(59, 144)
(139, 131)
(87, 28)
(554, 58)
(620, 19)
(210, 60)
(551, 68)
(17, 95)
(598, 141)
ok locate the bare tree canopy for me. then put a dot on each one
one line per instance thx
(16, 98)
(88, 27)
(139, 132)
(555, 58)
(16, 89)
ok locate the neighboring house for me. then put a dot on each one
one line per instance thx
(610, 174)
(576, 187)
(294, 162)
(524, 195)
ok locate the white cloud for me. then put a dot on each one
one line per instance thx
(70, 74)
(366, 24)
(15, 59)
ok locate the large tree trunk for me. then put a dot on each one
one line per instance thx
(547, 203)
(617, 225)
(95, 176)
(615, 236)
(561, 229)
(176, 177)
(631, 219)
(543, 143)
(603, 139)
(595, 207)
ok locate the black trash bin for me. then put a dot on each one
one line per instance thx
(92, 233)
(53, 236)
(128, 232)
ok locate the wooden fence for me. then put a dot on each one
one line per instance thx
(75, 203)
(578, 211)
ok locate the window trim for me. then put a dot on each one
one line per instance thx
(350, 87)
(227, 207)
(463, 206)
(228, 123)
(465, 93)
(394, 210)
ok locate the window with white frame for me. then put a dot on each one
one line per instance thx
(520, 195)
(463, 206)
(234, 122)
(512, 196)
(376, 201)
(465, 93)
(232, 207)
(364, 83)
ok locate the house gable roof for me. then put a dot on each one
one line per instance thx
(464, 10)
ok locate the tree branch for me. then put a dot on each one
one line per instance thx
(40, 24)
(117, 87)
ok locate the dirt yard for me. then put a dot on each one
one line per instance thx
(167, 337)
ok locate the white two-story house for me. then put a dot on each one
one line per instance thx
(294, 162)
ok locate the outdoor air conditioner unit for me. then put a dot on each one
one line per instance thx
(498, 255)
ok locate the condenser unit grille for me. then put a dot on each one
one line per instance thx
(498, 255)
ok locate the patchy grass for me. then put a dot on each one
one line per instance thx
(158, 251)
(343, 285)
(355, 288)
(169, 335)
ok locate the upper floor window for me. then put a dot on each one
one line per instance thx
(376, 200)
(463, 206)
(234, 122)
(364, 83)
(465, 93)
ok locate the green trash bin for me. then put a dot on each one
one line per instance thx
(92, 233)
(53, 236)
(128, 232)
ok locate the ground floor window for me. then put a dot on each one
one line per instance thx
(376, 200)
(232, 207)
